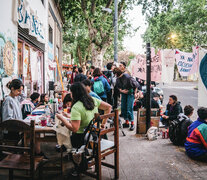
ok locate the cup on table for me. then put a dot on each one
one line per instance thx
(43, 121)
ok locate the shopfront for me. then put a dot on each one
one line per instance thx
(31, 45)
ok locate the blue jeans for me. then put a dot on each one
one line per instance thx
(127, 103)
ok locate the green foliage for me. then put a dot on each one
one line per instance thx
(186, 21)
(89, 28)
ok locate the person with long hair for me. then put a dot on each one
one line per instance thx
(82, 112)
(44, 99)
(172, 111)
(11, 105)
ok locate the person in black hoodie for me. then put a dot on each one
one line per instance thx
(172, 111)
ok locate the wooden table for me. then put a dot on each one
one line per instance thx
(45, 134)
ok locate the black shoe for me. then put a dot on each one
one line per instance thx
(131, 127)
(125, 125)
(73, 173)
(41, 154)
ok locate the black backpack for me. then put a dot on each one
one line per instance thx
(178, 130)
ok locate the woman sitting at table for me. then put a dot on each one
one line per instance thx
(44, 99)
(83, 109)
(11, 106)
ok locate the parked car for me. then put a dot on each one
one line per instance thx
(155, 89)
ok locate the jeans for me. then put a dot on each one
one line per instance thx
(127, 103)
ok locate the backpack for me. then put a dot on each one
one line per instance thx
(178, 130)
(98, 87)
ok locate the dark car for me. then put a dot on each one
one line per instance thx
(157, 90)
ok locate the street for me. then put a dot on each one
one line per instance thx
(185, 93)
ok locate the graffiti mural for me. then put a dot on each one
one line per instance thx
(7, 56)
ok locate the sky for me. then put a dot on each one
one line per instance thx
(135, 43)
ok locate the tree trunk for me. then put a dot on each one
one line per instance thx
(97, 56)
(79, 55)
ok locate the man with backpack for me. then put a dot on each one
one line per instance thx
(178, 129)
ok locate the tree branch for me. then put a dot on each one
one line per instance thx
(93, 6)
(109, 3)
(121, 6)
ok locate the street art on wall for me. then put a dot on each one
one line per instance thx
(203, 70)
(7, 56)
(28, 19)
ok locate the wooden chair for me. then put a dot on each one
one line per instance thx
(103, 147)
(20, 158)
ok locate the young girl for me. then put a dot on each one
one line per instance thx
(11, 105)
(44, 99)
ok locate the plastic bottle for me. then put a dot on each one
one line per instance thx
(47, 112)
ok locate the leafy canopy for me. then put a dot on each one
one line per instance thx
(89, 26)
(177, 24)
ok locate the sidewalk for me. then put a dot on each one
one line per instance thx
(141, 159)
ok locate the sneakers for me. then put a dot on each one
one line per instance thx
(131, 127)
(125, 125)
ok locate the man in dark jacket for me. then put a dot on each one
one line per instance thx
(172, 111)
(80, 77)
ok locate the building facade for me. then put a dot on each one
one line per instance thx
(25, 48)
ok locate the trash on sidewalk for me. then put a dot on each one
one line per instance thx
(152, 133)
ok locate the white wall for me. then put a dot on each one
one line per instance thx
(8, 28)
(202, 91)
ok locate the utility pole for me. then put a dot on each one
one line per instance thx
(148, 94)
(116, 31)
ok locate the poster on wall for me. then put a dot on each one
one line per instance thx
(8, 58)
(25, 62)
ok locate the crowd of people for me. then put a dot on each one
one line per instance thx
(99, 91)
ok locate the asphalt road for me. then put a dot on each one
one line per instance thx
(185, 92)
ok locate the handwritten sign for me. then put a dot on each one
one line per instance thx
(186, 61)
(139, 67)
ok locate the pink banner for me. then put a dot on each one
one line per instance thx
(187, 63)
(139, 67)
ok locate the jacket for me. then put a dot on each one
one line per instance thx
(196, 142)
(174, 111)
(106, 85)
(79, 78)
(126, 82)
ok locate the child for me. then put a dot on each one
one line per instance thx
(88, 84)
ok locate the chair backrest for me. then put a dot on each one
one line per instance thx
(1, 105)
(20, 126)
(114, 128)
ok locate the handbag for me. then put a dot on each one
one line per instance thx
(81, 155)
